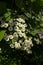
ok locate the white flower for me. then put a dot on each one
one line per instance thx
(20, 41)
(29, 51)
(10, 28)
(23, 29)
(28, 43)
(24, 35)
(25, 48)
(17, 45)
(30, 38)
(15, 35)
(25, 25)
(20, 20)
(10, 36)
(16, 28)
(19, 24)
(19, 32)
(37, 40)
(6, 38)
(41, 36)
(4, 25)
(12, 45)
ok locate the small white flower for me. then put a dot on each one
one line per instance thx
(20, 35)
(10, 36)
(30, 38)
(25, 48)
(37, 40)
(10, 28)
(21, 20)
(12, 45)
(19, 24)
(19, 32)
(23, 29)
(16, 28)
(15, 35)
(41, 36)
(4, 25)
(25, 25)
(28, 43)
(17, 45)
(24, 35)
(20, 41)
(6, 38)
(29, 51)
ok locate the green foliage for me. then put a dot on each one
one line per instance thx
(7, 15)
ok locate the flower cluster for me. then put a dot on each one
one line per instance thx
(16, 32)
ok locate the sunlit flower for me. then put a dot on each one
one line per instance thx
(21, 20)
(6, 38)
(10, 36)
(28, 43)
(37, 40)
(16, 28)
(41, 35)
(20, 34)
(4, 25)
(12, 45)
(20, 41)
(15, 35)
(17, 45)
(29, 51)
(24, 35)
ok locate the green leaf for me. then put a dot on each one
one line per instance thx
(13, 41)
(7, 14)
(2, 32)
(36, 31)
(41, 25)
(28, 15)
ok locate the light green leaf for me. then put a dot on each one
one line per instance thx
(2, 32)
